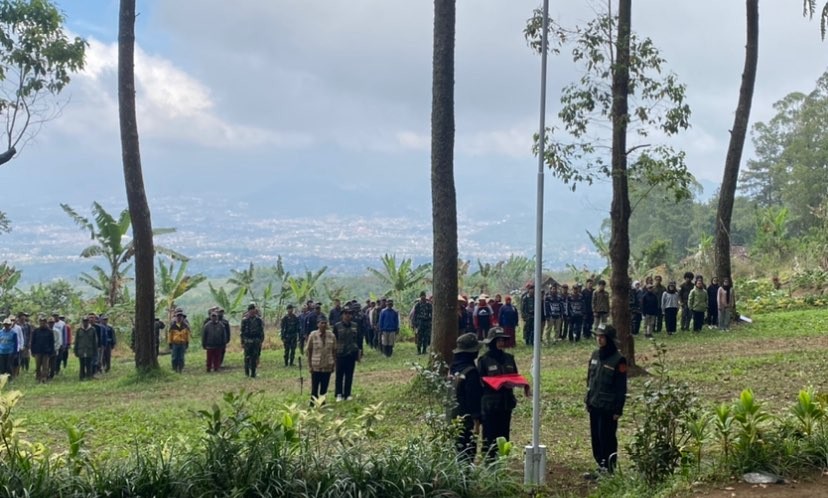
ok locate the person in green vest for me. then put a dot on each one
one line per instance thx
(605, 398)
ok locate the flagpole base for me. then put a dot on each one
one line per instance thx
(534, 466)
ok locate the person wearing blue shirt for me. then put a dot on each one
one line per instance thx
(389, 325)
(8, 346)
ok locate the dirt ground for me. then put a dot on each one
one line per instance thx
(811, 487)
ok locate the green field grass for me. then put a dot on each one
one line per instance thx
(776, 356)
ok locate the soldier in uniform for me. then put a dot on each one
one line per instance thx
(348, 352)
(606, 394)
(527, 312)
(252, 336)
(468, 392)
(422, 323)
(290, 329)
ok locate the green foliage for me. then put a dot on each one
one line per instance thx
(9, 277)
(304, 288)
(809, 8)
(663, 411)
(401, 281)
(109, 236)
(232, 304)
(36, 61)
(171, 284)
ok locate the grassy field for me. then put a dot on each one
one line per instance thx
(776, 356)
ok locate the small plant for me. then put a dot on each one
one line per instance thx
(663, 412)
(808, 411)
(749, 442)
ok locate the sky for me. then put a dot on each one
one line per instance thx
(300, 107)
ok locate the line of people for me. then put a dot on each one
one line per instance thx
(50, 342)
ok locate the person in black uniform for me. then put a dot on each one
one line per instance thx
(496, 406)
(468, 392)
(606, 394)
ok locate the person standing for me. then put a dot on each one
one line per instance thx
(212, 340)
(335, 315)
(321, 353)
(483, 316)
(635, 307)
(57, 334)
(601, 304)
(713, 303)
(423, 312)
(289, 330)
(605, 397)
(178, 337)
(649, 308)
(8, 347)
(389, 326)
(226, 324)
(108, 339)
(496, 405)
(554, 308)
(252, 336)
(508, 319)
(25, 354)
(575, 313)
(468, 393)
(670, 307)
(589, 318)
(86, 348)
(684, 296)
(158, 326)
(697, 302)
(348, 353)
(726, 302)
(527, 312)
(43, 348)
(659, 291)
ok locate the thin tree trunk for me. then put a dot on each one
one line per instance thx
(145, 354)
(620, 209)
(443, 195)
(737, 142)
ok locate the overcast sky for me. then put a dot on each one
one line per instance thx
(276, 100)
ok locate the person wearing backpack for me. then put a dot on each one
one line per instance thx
(468, 391)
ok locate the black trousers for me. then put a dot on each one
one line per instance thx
(529, 331)
(670, 319)
(6, 363)
(589, 319)
(290, 349)
(636, 322)
(85, 368)
(685, 317)
(575, 323)
(659, 320)
(466, 443)
(319, 383)
(496, 423)
(713, 315)
(345, 366)
(698, 320)
(603, 429)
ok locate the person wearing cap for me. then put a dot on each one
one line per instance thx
(321, 354)
(468, 391)
(178, 337)
(527, 312)
(636, 293)
(226, 324)
(508, 320)
(86, 348)
(421, 321)
(389, 325)
(605, 397)
(8, 347)
(212, 341)
(496, 405)
(43, 348)
(289, 330)
(554, 309)
(575, 309)
(348, 353)
(589, 318)
(15, 357)
(252, 336)
(25, 353)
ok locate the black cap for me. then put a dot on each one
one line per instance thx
(251, 306)
(290, 306)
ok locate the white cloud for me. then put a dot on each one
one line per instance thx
(172, 105)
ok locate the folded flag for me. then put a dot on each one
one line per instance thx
(507, 381)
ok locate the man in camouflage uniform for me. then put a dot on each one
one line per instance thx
(252, 336)
(527, 312)
(290, 330)
(422, 323)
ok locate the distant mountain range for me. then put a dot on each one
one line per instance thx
(221, 235)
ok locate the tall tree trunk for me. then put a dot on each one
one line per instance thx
(737, 143)
(145, 354)
(443, 195)
(620, 208)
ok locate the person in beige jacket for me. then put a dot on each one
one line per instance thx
(726, 300)
(320, 350)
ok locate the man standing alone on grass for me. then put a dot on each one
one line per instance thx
(212, 340)
(289, 333)
(389, 326)
(252, 336)
(86, 348)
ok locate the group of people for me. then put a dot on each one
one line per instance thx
(485, 399)
(49, 344)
